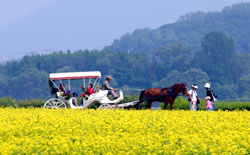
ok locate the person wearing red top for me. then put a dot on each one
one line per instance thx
(87, 93)
(89, 90)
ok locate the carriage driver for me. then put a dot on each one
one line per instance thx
(106, 86)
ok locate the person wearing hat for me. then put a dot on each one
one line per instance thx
(211, 94)
(106, 86)
(193, 97)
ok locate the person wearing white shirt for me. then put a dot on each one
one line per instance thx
(193, 97)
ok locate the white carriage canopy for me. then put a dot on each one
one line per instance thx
(75, 75)
(86, 77)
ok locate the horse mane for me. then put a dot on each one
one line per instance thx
(173, 86)
(176, 85)
(165, 88)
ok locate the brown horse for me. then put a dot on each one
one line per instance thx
(166, 95)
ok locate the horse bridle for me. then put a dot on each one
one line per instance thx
(183, 89)
(171, 92)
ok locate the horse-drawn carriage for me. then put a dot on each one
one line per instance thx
(71, 81)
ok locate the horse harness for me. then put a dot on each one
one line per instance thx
(170, 92)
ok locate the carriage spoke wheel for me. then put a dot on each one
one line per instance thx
(55, 103)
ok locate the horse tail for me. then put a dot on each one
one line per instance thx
(141, 98)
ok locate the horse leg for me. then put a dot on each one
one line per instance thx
(141, 99)
(171, 106)
(148, 106)
(136, 106)
(165, 105)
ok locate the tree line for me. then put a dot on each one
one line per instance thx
(216, 61)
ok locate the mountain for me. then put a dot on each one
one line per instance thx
(189, 29)
(60, 25)
(89, 24)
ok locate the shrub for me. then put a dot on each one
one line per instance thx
(31, 103)
(180, 103)
(7, 102)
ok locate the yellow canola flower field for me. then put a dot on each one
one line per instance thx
(42, 131)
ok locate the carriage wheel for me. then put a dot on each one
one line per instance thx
(55, 103)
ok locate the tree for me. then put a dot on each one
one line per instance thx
(228, 91)
(216, 56)
(191, 76)
(244, 83)
(168, 59)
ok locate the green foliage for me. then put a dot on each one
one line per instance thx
(232, 106)
(130, 98)
(227, 91)
(179, 104)
(36, 103)
(30, 79)
(95, 105)
(216, 56)
(7, 102)
(182, 103)
(244, 83)
(191, 76)
(129, 71)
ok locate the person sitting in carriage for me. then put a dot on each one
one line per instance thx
(87, 92)
(62, 89)
(74, 99)
(106, 86)
(53, 90)
(63, 92)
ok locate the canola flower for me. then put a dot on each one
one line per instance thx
(44, 131)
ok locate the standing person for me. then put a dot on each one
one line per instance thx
(208, 103)
(106, 86)
(193, 97)
(211, 94)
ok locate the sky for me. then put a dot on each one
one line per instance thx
(42, 26)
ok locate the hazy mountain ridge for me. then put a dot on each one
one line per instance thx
(189, 29)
